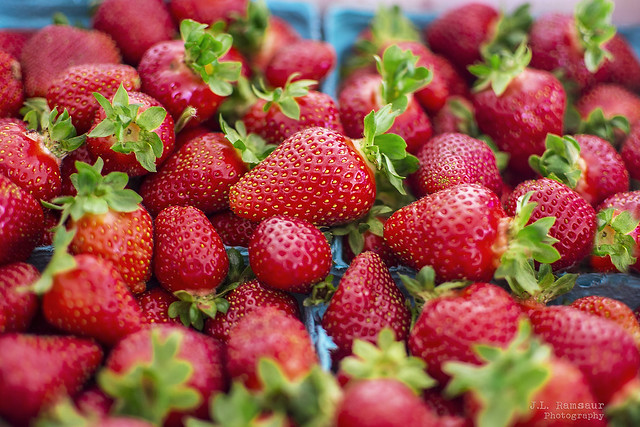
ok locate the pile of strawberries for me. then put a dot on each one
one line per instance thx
(190, 178)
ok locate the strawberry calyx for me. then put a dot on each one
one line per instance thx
(61, 261)
(285, 97)
(133, 130)
(593, 23)
(509, 32)
(613, 237)
(355, 230)
(624, 407)
(499, 69)
(65, 414)
(321, 292)
(204, 47)
(152, 389)
(506, 383)
(251, 147)
(560, 160)
(248, 30)
(387, 358)
(606, 128)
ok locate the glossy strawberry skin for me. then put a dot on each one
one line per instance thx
(612, 309)
(367, 300)
(124, 238)
(456, 231)
(108, 312)
(114, 161)
(11, 88)
(233, 230)
(519, 120)
(454, 158)
(17, 308)
(73, 90)
(482, 313)
(155, 304)
(37, 370)
(21, 220)
(312, 59)
(630, 151)
(624, 68)
(292, 245)
(575, 224)
(198, 174)
(297, 176)
(245, 298)
(189, 254)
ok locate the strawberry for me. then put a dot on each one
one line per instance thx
(575, 225)
(366, 301)
(612, 309)
(245, 298)
(206, 11)
(135, 27)
(109, 222)
(60, 47)
(12, 40)
(17, 308)
(74, 89)
(574, 44)
(132, 133)
(22, 219)
(302, 59)
(190, 72)
(630, 151)
(605, 352)
(623, 67)
(269, 333)
(233, 230)
(282, 243)
(189, 254)
(209, 159)
(30, 154)
(68, 168)
(319, 175)
(155, 304)
(92, 400)
(177, 369)
(37, 370)
(454, 158)
(11, 89)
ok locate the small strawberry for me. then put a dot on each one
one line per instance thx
(612, 309)
(232, 229)
(245, 298)
(366, 301)
(155, 304)
(189, 254)
(17, 308)
(135, 27)
(22, 223)
(177, 370)
(37, 370)
(11, 89)
(302, 59)
(60, 47)
(269, 333)
(73, 89)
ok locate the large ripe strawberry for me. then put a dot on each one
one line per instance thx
(269, 333)
(132, 133)
(612, 309)
(109, 222)
(37, 370)
(55, 48)
(190, 72)
(135, 27)
(21, 220)
(245, 298)
(323, 176)
(11, 88)
(367, 300)
(73, 89)
(302, 59)
(189, 254)
(177, 370)
(17, 307)
(453, 158)
(282, 243)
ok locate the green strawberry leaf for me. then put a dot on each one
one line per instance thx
(35, 111)
(510, 32)
(193, 309)
(252, 147)
(285, 97)
(560, 161)
(499, 69)
(400, 74)
(248, 31)
(593, 22)
(355, 230)
(613, 238)
(597, 124)
(61, 261)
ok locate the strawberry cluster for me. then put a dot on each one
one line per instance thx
(228, 244)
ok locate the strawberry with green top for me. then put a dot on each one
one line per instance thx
(191, 72)
(207, 11)
(109, 222)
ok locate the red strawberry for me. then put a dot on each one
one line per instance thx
(179, 370)
(134, 142)
(68, 168)
(630, 151)
(278, 33)
(189, 254)
(11, 90)
(612, 309)
(21, 218)
(282, 243)
(60, 47)
(366, 301)
(17, 308)
(155, 304)
(12, 40)
(365, 236)
(92, 400)
(37, 370)
(74, 89)
(269, 333)
(245, 298)
(453, 158)
(209, 159)
(135, 27)
(206, 11)
(233, 230)
(310, 59)
(623, 67)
